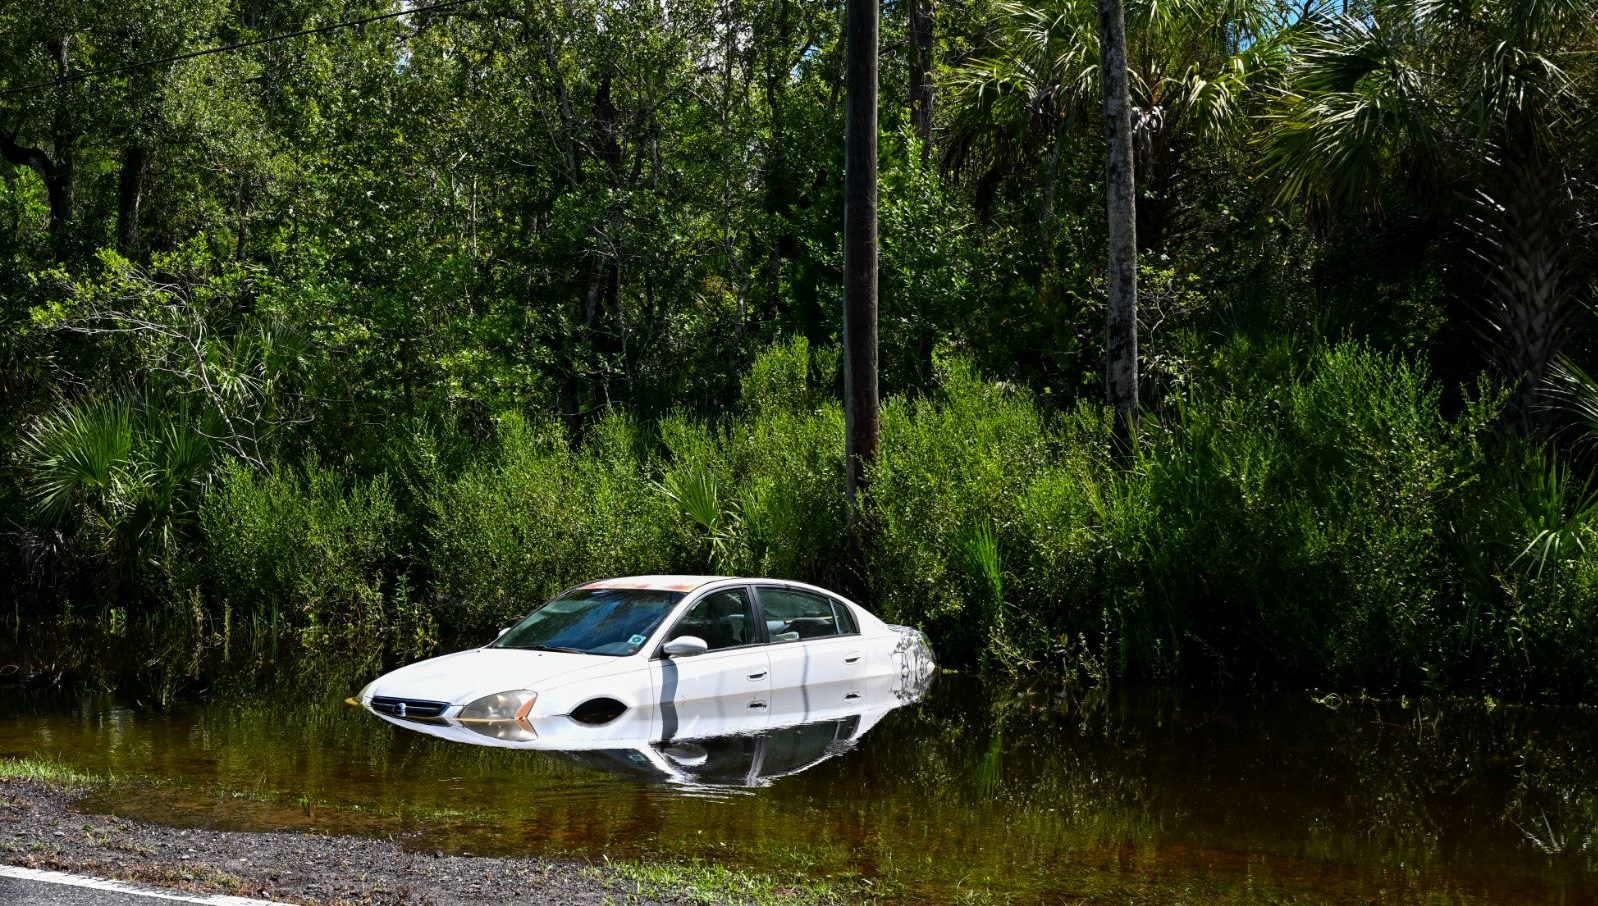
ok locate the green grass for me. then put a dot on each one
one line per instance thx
(703, 882)
(50, 772)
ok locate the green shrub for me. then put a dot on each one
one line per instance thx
(312, 553)
(1318, 517)
(1306, 526)
(1302, 523)
(1085, 521)
(789, 454)
(762, 495)
(1526, 549)
(771, 482)
(950, 467)
(534, 517)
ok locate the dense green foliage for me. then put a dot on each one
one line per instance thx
(389, 332)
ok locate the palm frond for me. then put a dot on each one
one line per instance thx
(694, 490)
(1559, 513)
(981, 545)
(1357, 108)
(80, 451)
(1193, 63)
(1571, 390)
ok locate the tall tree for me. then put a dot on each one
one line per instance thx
(922, 15)
(860, 257)
(1469, 112)
(1193, 67)
(94, 144)
(1121, 204)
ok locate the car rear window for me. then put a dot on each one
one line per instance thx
(793, 615)
(846, 623)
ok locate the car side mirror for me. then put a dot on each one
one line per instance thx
(502, 632)
(685, 646)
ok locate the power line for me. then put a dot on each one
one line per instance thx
(80, 76)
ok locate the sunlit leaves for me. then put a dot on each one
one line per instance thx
(1419, 92)
(1193, 67)
(1560, 509)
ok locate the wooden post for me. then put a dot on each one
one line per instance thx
(861, 420)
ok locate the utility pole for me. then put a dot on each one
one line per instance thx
(860, 405)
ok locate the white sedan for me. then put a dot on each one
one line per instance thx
(704, 744)
(701, 648)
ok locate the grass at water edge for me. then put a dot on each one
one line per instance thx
(50, 772)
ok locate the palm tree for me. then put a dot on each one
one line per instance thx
(119, 480)
(1120, 202)
(1192, 65)
(1170, 75)
(1464, 106)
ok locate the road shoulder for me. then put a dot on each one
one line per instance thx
(39, 829)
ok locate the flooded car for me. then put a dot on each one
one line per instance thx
(679, 650)
(714, 742)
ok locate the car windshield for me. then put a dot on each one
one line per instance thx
(612, 621)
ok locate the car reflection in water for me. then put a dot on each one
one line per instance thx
(708, 742)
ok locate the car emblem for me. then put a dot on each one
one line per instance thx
(400, 709)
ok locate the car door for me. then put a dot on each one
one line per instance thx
(728, 688)
(818, 660)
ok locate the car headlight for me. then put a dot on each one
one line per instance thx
(360, 697)
(512, 705)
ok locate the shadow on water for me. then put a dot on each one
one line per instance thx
(1023, 794)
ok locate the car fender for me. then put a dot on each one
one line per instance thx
(629, 685)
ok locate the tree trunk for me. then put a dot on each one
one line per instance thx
(1521, 230)
(130, 196)
(57, 184)
(860, 269)
(921, 43)
(1121, 320)
(63, 136)
(568, 122)
(1052, 177)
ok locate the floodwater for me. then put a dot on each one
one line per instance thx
(976, 789)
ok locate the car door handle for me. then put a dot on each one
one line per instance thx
(757, 704)
(851, 657)
(758, 676)
(851, 696)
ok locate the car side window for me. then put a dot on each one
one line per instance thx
(795, 615)
(724, 619)
(846, 623)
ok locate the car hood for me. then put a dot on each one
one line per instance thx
(465, 676)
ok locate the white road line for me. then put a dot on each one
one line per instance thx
(140, 890)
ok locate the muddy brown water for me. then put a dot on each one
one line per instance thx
(977, 791)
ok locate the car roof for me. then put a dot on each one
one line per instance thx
(687, 583)
(656, 583)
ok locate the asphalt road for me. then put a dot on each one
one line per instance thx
(27, 887)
